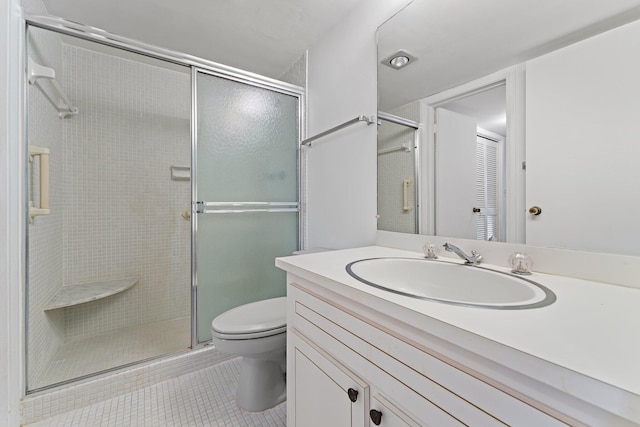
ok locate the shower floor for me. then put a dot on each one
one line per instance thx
(117, 348)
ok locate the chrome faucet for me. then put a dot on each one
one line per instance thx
(474, 259)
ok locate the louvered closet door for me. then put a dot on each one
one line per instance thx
(487, 189)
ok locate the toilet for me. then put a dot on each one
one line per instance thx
(258, 332)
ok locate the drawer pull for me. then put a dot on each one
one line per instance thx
(376, 416)
(353, 394)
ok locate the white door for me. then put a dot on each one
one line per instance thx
(582, 155)
(455, 174)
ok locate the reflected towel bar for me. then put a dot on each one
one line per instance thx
(369, 120)
(392, 118)
(405, 146)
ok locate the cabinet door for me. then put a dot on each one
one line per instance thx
(325, 392)
(386, 414)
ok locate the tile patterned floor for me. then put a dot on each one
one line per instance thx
(118, 348)
(203, 398)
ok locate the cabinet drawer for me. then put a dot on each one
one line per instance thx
(469, 399)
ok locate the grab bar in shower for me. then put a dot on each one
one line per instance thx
(44, 182)
(405, 196)
(37, 71)
(370, 120)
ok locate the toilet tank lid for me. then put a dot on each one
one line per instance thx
(253, 317)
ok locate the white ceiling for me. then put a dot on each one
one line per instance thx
(457, 41)
(264, 37)
(487, 107)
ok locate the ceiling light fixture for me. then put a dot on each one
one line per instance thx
(399, 59)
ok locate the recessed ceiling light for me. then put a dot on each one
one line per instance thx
(399, 59)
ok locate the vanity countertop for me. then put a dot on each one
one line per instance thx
(591, 332)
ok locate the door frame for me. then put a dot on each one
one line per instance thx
(514, 80)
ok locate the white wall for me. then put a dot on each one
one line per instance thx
(341, 168)
(10, 225)
(582, 132)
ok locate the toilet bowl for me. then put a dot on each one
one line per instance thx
(258, 332)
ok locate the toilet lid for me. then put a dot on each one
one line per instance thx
(253, 318)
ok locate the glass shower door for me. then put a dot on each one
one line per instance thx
(245, 194)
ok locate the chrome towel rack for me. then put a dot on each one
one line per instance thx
(392, 118)
(369, 119)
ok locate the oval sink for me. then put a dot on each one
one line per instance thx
(451, 283)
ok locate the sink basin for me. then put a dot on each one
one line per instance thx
(451, 283)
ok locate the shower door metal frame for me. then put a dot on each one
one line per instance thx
(196, 64)
(197, 208)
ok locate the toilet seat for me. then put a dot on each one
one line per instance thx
(254, 320)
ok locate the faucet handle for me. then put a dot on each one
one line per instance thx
(521, 263)
(430, 251)
(476, 257)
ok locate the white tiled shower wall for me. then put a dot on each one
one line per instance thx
(122, 213)
(393, 168)
(116, 212)
(297, 73)
(45, 259)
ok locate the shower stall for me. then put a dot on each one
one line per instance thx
(160, 189)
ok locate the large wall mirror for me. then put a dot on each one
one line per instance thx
(512, 122)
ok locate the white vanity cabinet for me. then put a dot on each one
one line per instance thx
(346, 369)
(327, 393)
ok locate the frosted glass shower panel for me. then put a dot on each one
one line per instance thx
(247, 180)
(236, 255)
(247, 142)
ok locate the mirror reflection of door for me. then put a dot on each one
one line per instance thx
(470, 166)
(455, 156)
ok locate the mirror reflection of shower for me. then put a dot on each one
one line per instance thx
(109, 266)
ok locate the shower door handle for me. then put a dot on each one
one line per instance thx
(245, 207)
